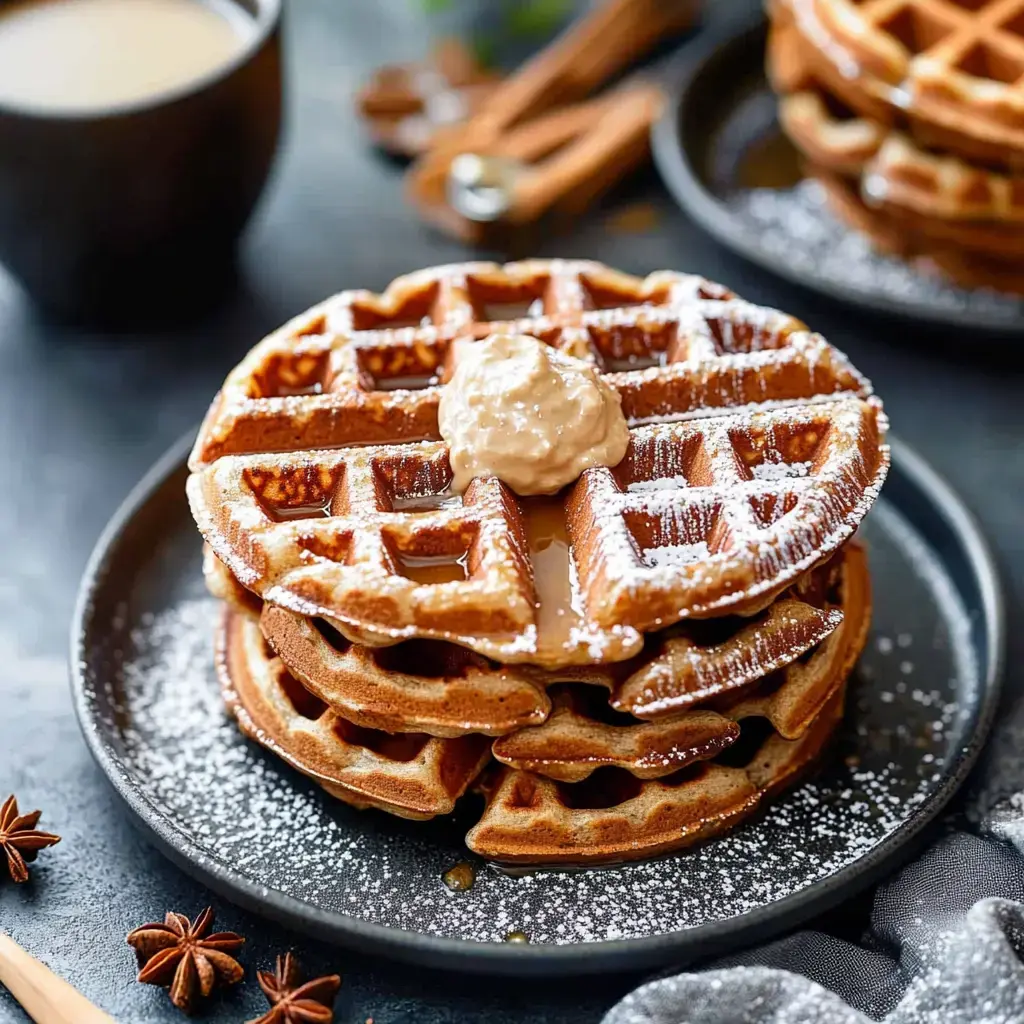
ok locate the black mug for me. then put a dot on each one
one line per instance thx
(136, 211)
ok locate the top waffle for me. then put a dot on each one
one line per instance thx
(317, 477)
(953, 68)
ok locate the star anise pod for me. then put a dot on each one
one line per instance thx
(292, 1003)
(181, 956)
(20, 840)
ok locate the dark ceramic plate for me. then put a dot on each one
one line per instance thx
(719, 150)
(263, 836)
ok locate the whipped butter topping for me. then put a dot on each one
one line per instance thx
(522, 411)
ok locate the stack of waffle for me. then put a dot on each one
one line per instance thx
(911, 113)
(621, 668)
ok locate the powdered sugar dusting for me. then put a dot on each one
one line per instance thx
(780, 470)
(781, 519)
(249, 812)
(668, 483)
(796, 228)
(676, 555)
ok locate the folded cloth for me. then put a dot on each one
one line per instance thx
(944, 947)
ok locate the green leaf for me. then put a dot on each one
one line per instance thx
(436, 6)
(485, 47)
(535, 17)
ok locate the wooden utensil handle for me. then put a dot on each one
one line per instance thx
(46, 998)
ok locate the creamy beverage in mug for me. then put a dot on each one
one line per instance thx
(88, 55)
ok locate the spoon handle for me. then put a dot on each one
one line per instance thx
(46, 998)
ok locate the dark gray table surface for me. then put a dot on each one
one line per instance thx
(82, 415)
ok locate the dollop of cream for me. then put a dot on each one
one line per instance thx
(524, 412)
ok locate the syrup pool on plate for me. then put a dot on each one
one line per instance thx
(61, 56)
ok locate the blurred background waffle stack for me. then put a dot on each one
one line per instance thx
(911, 114)
(620, 669)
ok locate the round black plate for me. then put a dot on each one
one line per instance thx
(709, 147)
(260, 834)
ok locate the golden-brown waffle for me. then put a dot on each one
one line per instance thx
(444, 690)
(843, 144)
(424, 686)
(888, 166)
(903, 175)
(970, 238)
(413, 776)
(792, 698)
(581, 735)
(223, 585)
(931, 248)
(775, 455)
(946, 214)
(615, 816)
(789, 689)
(951, 70)
(940, 197)
(420, 685)
(364, 369)
(972, 269)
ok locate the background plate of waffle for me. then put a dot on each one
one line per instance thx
(721, 151)
(266, 837)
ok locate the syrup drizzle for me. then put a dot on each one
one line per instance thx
(625, 364)
(503, 312)
(287, 514)
(559, 607)
(430, 571)
(771, 161)
(410, 383)
(461, 877)
(425, 502)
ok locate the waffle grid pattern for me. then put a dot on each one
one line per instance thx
(947, 194)
(394, 640)
(366, 369)
(445, 690)
(533, 819)
(953, 68)
(889, 167)
(777, 456)
(413, 776)
(619, 792)
(416, 775)
(550, 798)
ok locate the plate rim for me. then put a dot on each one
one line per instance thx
(698, 942)
(679, 175)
